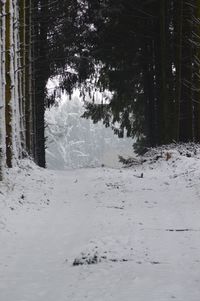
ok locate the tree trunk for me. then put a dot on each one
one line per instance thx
(41, 76)
(8, 96)
(2, 89)
(186, 105)
(197, 75)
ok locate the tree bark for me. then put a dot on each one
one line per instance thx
(8, 96)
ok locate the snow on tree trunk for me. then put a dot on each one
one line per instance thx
(8, 89)
(22, 63)
(13, 144)
(2, 88)
(15, 81)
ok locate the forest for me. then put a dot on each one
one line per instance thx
(146, 53)
(99, 150)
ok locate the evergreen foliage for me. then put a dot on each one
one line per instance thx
(147, 53)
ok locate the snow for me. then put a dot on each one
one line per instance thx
(75, 142)
(102, 234)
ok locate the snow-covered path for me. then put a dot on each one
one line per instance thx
(102, 234)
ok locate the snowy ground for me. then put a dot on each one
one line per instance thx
(102, 234)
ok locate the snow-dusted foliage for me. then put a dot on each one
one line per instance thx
(76, 142)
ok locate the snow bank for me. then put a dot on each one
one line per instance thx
(24, 188)
(103, 234)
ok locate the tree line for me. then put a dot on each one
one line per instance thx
(147, 53)
(24, 71)
(31, 51)
(150, 57)
(21, 131)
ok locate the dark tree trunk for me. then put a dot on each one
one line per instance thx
(186, 106)
(41, 76)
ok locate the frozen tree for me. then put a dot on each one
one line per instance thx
(18, 97)
(75, 142)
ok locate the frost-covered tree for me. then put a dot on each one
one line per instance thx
(11, 70)
(76, 142)
(18, 120)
